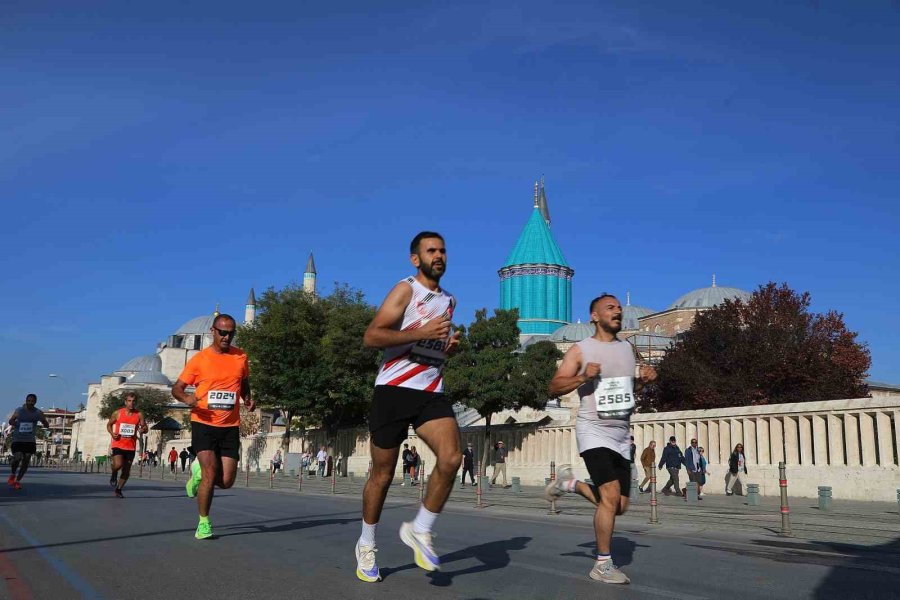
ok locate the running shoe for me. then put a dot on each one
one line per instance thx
(11, 480)
(556, 489)
(366, 569)
(423, 551)
(194, 482)
(113, 480)
(204, 530)
(607, 572)
(119, 493)
(17, 486)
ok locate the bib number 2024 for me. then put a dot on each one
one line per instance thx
(429, 352)
(220, 400)
(614, 397)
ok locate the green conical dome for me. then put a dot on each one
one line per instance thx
(536, 245)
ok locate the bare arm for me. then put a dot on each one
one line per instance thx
(384, 330)
(245, 394)
(109, 426)
(179, 394)
(142, 424)
(567, 377)
(14, 419)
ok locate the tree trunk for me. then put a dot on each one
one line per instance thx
(487, 445)
(286, 438)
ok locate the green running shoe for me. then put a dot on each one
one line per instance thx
(194, 482)
(204, 530)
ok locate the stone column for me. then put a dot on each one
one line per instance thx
(668, 431)
(885, 445)
(749, 427)
(836, 455)
(867, 439)
(703, 437)
(762, 442)
(638, 433)
(737, 435)
(820, 440)
(897, 428)
(851, 439)
(776, 435)
(791, 441)
(690, 432)
(713, 452)
(725, 445)
(806, 446)
(679, 435)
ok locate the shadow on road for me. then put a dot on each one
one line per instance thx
(622, 551)
(293, 526)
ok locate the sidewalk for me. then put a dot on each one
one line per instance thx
(849, 522)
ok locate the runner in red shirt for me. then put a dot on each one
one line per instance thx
(124, 426)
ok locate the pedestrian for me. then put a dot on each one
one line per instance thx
(737, 468)
(322, 458)
(305, 460)
(173, 458)
(672, 458)
(692, 464)
(633, 449)
(276, 462)
(500, 453)
(405, 458)
(648, 459)
(413, 465)
(184, 456)
(468, 464)
(703, 474)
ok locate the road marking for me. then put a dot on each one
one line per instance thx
(74, 579)
(18, 587)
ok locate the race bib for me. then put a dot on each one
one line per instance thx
(429, 352)
(614, 397)
(127, 429)
(220, 400)
(26, 427)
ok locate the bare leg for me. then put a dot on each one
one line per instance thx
(211, 473)
(23, 466)
(115, 466)
(442, 436)
(611, 503)
(124, 473)
(384, 461)
(14, 463)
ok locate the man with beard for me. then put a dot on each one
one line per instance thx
(603, 369)
(24, 421)
(124, 426)
(413, 327)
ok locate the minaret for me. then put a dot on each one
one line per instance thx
(309, 276)
(536, 278)
(250, 308)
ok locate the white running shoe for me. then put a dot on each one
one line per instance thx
(607, 572)
(556, 489)
(423, 552)
(366, 569)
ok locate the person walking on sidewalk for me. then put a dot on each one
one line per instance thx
(500, 453)
(672, 458)
(322, 459)
(692, 464)
(648, 458)
(468, 464)
(183, 456)
(413, 465)
(173, 458)
(737, 468)
(703, 473)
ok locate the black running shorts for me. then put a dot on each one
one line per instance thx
(395, 408)
(224, 441)
(605, 465)
(24, 447)
(127, 455)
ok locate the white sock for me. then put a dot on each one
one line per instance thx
(602, 558)
(570, 485)
(424, 520)
(367, 538)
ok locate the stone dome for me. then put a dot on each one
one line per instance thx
(150, 377)
(150, 362)
(197, 325)
(143, 369)
(573, 332)
(710, 296)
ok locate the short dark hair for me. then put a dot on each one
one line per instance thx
(130, 395)
(672, 438)
(598, 299)
(223, 316)
(31, 396)
(414, 244)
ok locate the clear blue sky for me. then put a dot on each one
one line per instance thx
(156, 159)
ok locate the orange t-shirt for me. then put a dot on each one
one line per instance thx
(217, 378)
(127, 427)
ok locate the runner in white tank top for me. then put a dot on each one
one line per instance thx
(413, 327)
(602, 369)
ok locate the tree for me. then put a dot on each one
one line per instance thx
(307, 359)
(488, 375)
(770, 349)
(152, 402)
(249, 422)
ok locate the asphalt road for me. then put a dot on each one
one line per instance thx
(66, 536)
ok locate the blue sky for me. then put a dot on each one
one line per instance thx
(156, 159)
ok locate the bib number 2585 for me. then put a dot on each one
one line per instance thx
(429, 352)
(614, 397)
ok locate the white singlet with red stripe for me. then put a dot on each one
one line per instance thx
(400, 367)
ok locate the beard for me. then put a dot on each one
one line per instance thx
(431, 273)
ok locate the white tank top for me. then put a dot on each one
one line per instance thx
(419, 365)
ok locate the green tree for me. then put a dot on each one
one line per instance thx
(307, 359)
(152, 402)
(770, 349)
(488, 375)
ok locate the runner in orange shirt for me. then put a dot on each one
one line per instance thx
(220, 377)
(124, 426)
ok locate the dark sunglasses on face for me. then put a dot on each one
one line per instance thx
(225, 332)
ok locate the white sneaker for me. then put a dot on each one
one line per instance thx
(366, 569)
(607, 572)
(423, 552)
(556, 489)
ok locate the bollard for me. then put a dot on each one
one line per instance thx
(654, 514)
(517, 485)
(247, 484)
(690, 494)
(271, 479)
(752, 494)
(481, 482)
(422, 482)
(407, 481)
(824, 497)
(552, 510)
(332, 479)
(351, 476)
(547, 481)
(785, 510)
(141, 474)
(634, 493)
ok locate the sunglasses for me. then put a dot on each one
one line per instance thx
(225, 332)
